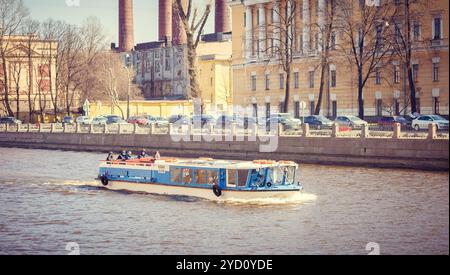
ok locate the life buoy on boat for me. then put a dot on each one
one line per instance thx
(104, 180)
(217, 191)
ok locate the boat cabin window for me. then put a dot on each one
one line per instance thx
(187, 176)
(175, 175)
(212, 177)
(281, 175)
(200, 176)
(231, 178)
(242, 178)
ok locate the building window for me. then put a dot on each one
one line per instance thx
(333, 41)
(311, 79)
(416, 31)
(334, 108)
(333, 78)
(379, 107)
(267, 80)
(379, 35)
(281, 81)
(396, 107)
(396, 74)
(378, 77)
(267, 110)
(281, 107)
(297, 109)
(296, 80)
(253, 81)
(415, 72)
(437, 28)
(436, 105)
(435, 72)
(312, 107)
(255, 110)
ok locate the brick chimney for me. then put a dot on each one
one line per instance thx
(165, 20)
(222, 23)
(178, 31)
(126, 31)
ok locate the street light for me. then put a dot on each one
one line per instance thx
(127, 67)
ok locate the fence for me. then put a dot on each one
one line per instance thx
(233, 129)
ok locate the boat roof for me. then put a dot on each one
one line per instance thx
(212, 163)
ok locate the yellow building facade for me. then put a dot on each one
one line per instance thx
(258, 78)
(31, 76)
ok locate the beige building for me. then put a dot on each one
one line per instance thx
(259, 81)
(30, 73)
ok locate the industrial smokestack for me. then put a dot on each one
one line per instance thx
(126, 35)
(178, 31)
(222, 16)
(165, 20)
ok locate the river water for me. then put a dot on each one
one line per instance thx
(49, 199)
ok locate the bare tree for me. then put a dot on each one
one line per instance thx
(282, 46)
(325, 28)
(30, 28)
(12, 14)
(93, 38)
(113, 81)
(406, 16)
(366, 35)
(70, 66)
(194, 27)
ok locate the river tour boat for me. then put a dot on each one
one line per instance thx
(203, 178)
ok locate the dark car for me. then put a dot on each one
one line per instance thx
(68, 120)
(319, 122)
(203, 120)
(115, 120)
(387, 123)
(10, 121)
(179, 119)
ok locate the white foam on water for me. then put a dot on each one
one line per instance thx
(300, 198)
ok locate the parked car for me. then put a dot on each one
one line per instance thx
(180, 119)
(112, 119)
(203, 120)
(10, 121)
(247, 121)
(422, 122)
(389, 122)
(101, 120)
(161, 122)
(68, 120)
(352, 122)
(84, 120)
(288, 122)
(139, 120)
(319, 122)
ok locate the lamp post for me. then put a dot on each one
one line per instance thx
(127, 67)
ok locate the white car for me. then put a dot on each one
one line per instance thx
(83, 120)
(351, 121)
(422, 122)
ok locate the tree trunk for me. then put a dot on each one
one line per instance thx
(321, 88)
(288, 90)
(360, 94)
(6, 87)
(412, 89)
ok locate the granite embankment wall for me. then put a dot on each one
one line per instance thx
(424, 154)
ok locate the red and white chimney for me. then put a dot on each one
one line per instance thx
(126, 30)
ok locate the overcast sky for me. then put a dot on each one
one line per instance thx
(145, 15)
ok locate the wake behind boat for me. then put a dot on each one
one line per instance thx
(203, 178)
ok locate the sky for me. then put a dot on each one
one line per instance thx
(145, 15)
